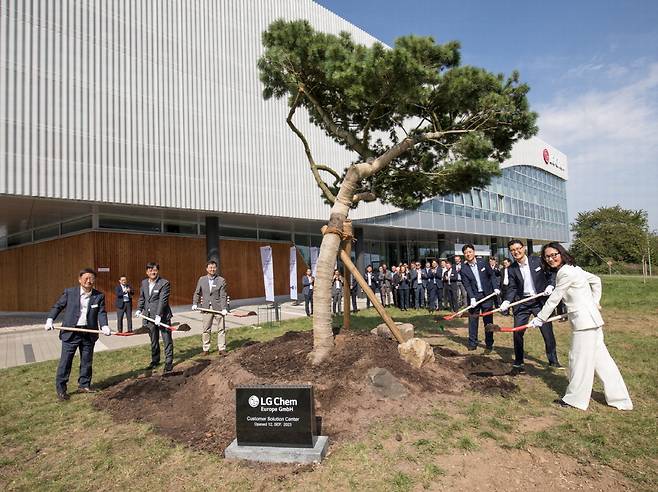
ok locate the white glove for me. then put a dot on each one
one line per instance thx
(137, 313)
(549, 290)
(497, 291)
(106, 330)
(504, 306)
(157, 320)
(473, 302)
(536, 323)
(224, 312)
(194, 307)
(49, 324)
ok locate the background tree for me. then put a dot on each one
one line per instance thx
(610, 233)
(419, 125)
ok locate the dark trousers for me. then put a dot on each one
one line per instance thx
(336, 303)
(308, 303)
(522, 314)
(404, 299)
(353, 294)
(412, 297)
(396, 300)
(419, 295)
(368, 303)
(126, 310)
(155, 332)
(84, 342)
(451, 294)
(474, 321)
(433, 297)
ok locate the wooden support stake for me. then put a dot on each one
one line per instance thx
(371, 295)
(346, 246)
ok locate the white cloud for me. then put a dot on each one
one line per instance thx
(610, 138)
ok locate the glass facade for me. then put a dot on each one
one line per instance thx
(524, 201)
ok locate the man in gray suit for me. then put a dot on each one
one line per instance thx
(210, 293)
(154, 303)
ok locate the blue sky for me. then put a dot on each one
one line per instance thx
(592, 66)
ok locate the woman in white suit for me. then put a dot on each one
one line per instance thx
(581, 293)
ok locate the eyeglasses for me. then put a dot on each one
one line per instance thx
(552, 256)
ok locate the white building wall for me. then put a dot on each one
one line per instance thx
(154, 103)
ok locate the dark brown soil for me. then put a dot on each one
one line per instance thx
(196, 404)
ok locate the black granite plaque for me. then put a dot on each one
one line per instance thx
(275, 415)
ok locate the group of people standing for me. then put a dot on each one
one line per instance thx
(84, 312)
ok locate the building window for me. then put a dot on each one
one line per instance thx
(76, 225)
(127, 224)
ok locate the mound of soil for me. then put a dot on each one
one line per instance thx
(196, 404)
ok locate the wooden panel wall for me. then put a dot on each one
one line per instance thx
(33, 276)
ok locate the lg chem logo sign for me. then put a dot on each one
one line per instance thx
(547, 157)
(253, 401)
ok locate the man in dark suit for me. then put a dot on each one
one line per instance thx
(527, 278)
(307, 291)
(84, 308)
(123, 302)
(154, 303)
(434, 286)
(354, 291)
(450, 286)
(337, 293)
(371, 279)
(211, 293)
(479, 281)
(414, 277)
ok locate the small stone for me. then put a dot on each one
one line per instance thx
(406, 330)
(398, 437)
(416, 352)
(385, 384)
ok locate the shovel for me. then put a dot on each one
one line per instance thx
(459, 313)
(81, 330)
(211, 311)
(493, 327)
(172, 327)
(525, 299)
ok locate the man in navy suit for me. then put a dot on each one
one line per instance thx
(154, 302)
(124, 296)
(307, 282)
(480, 281)
(84, 308)
(526, 278)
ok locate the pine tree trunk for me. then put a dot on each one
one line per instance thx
(323, 337)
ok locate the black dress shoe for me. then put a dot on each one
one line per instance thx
(516, 370)
(555, 365)
(168, 369)
(86, 389)
(488, 350)
(472, 347)
(63, 396)
(153, 365)
(562, 403)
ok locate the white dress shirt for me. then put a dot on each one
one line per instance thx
(84, 307)
(476, 274)
(528, 284)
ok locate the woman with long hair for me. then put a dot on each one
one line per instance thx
(581, 293)
(403, 288)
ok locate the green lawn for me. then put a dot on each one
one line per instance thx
(47, 445)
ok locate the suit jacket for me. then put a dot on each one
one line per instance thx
(374, 280)
(70, 301)
(413, 278)
(118, 292)
(208, 298)
(488, 279)
(581, 293)
(306, 282)
(385, 279)
(450, 277)
(335, 291)
(540, 278)
(156, 303)
(425, 274)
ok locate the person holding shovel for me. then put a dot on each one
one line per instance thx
(581, 293)
(154, 303)
(84, 310)
(526, 278)
(210, 293)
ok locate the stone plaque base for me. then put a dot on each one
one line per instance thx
(276, 454)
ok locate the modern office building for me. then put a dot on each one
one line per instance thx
(136, 131)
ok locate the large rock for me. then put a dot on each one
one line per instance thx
(416, 352)
(385, 384)
(406, 330)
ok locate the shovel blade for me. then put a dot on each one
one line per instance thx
(183, 327)
(491, 327)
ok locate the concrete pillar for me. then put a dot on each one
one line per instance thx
(212, 238)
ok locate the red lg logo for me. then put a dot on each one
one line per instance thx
(546, 156)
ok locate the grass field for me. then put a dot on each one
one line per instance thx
(48, 445)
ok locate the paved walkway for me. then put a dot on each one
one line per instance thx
(23, 339)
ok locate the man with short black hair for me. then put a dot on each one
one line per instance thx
(526, 278)
(154, 302)
(480, 281)
(84, 309)
(210, 293)
(124, 295)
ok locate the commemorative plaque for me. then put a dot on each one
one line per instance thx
(275, 415)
